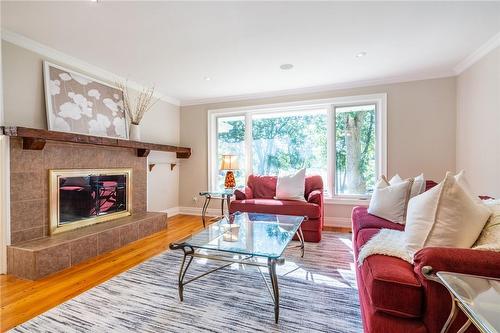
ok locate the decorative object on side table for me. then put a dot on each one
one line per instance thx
(477, 296)
(143, 103)
(229, 163)
(76, 103)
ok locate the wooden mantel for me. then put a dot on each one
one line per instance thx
(34, 139)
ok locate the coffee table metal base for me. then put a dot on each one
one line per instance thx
(190, 254)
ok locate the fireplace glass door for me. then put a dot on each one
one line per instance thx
(84, 197)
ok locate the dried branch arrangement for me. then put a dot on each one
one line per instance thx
(143, 103)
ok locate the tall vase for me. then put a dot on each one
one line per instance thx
(135, 132)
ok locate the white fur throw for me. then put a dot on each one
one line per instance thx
(387, 242)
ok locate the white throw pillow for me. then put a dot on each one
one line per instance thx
(490, 236)
(418, 186)
(462, 181)
(444, 216)
(291, 187)
(390, 201)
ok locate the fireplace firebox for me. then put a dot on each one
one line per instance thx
(81, 197)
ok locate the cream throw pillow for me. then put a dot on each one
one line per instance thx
(490, 236)
(291, 187)
(418, 186)
(444, 216)
(389, 201)
(462, 181)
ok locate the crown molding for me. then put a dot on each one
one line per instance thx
(66, 59)
(477, 55)
(320, 89)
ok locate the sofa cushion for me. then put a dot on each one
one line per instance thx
(361, 219)
(273, 206)
(263, 187)
(389, 200)
(313, 183)
(446, 215)
(390, 282)
(291, 187)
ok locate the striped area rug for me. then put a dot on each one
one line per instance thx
(318, 294)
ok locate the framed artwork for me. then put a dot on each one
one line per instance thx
(79, 104)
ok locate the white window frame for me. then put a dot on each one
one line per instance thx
(379, 100)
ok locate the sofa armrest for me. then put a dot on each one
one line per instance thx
(315, 197)
(459, 260)
(245, 194)
(437, 299)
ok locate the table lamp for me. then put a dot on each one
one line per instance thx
(229, 164)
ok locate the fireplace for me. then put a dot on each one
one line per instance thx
(81, 197)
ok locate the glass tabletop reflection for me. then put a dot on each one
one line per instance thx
(480, 296)
(218, 194)
(265, 235)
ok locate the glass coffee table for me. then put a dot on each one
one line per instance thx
(477, 296)
(243, 238)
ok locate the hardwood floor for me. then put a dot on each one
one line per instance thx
(21, 300)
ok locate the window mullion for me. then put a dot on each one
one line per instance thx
(330, 186)
(248, 145)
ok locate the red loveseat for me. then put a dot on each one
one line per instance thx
(258, 197)
(394, 295)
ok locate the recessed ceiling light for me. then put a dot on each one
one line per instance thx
(94, 0)
(361, 54)
(207, 78)
(286, 67)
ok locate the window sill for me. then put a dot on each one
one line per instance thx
(347, 201)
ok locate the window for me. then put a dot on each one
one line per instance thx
(355, 160)
(231, 141)
(289, 141)
(341, 139)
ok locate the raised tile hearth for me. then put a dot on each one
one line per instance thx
(41, 257)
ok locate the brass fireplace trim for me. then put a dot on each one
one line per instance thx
(54, 176)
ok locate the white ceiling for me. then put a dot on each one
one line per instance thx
(240, 45)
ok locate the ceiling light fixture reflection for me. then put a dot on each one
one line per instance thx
(286, 67)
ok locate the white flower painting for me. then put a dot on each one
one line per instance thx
(79, 104)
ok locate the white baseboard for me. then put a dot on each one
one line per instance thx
(197, 211)
(332, 221)
(171, 211)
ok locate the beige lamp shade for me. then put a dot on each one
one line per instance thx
(229, 162)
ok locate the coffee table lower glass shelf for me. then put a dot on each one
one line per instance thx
(243, 238)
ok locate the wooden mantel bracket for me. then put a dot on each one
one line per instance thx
(141, 152)
(34, 139)
(33, 143)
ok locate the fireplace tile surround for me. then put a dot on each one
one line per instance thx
(29, 181)
(29, 194)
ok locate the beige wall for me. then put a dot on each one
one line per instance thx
(25, 106)
(478, 124)
(421, 133)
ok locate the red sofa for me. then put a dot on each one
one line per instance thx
(394, 295)
(258, 197)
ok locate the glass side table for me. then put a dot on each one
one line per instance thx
(223, 196)
(477, 296)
